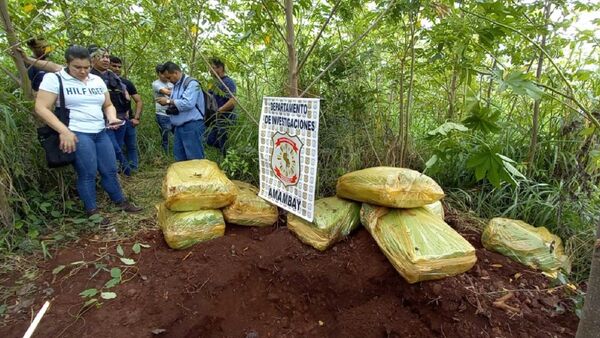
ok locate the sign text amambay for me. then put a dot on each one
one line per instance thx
(287, 146)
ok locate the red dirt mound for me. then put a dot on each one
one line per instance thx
(265, 283)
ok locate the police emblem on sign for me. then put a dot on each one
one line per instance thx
(285, 159)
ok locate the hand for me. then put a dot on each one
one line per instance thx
(67, 141)
(17, 50)
(114, 124)
(135, 122)
(162, 101)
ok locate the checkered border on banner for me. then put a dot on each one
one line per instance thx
(305, 189)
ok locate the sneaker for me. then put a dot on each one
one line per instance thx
(104, 222)
(126, 170)
(129, 207)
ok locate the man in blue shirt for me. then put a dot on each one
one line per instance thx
(186, 110)
(225, 117)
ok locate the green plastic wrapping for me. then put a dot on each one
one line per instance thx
(184, 229)
(419, 244)
(249, 209)
(390, 187)
(334, 219)
(197, 185)
(535, 247)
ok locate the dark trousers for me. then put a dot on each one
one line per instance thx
(216, 134)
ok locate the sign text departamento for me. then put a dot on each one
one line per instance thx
(288, 107)
(285, 198)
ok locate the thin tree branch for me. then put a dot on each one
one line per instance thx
(137, 57)
(273, 21)
(554, 65)
(349, 47)
(11, 75)
(314, 44)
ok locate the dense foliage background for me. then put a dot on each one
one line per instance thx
(496, 100)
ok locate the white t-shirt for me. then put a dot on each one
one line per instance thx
(83, 99)
(157, 85)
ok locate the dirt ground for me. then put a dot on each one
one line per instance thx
(265, 283)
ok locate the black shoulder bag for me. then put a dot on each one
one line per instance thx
(50, 139)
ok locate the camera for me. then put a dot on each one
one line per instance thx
(172, 110)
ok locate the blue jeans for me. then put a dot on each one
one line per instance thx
(114, 136)
(188, 141)
(95, 153)
(216, 135)
(130, 145)
(164, 125)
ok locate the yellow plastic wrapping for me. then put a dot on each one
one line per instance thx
(526, 244)
(249, 209)
(436, 208)
(390, 187)
(418, 243)
(334, 219)
(196, 185)
(184, 229)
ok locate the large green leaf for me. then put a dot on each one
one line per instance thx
(446, 128)
(493, 166)
(519, 83)
(483, 119)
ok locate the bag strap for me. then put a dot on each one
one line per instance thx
(63, 113)
(185, 84)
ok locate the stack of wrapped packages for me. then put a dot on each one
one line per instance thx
(401, 210)
(195, 192)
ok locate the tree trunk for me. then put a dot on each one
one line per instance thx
(6, 212)
(590, 320)
(535, 125)
(409, 95)
(452, 94)
(11, 36)
(291, 48)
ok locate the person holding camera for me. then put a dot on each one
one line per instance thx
(185, 108)
(88, 102)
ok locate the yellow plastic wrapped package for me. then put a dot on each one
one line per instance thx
(526, 244)
(418, 243)
(436, 208)
(184, 229)
(249, 209)
(196, 185)
(334, 219)
(390, 187)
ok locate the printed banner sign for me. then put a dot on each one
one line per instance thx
(287, 146)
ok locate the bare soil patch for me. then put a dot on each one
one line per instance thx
(265, 283)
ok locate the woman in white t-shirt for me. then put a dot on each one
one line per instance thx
(88, 101)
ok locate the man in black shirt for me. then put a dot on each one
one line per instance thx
(133, 119)
(119, 97)
(40, 50)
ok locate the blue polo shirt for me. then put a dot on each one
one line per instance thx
(222, 95)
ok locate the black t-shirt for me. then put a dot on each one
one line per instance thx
(36, 75)
(117, 91)
(132, 91)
